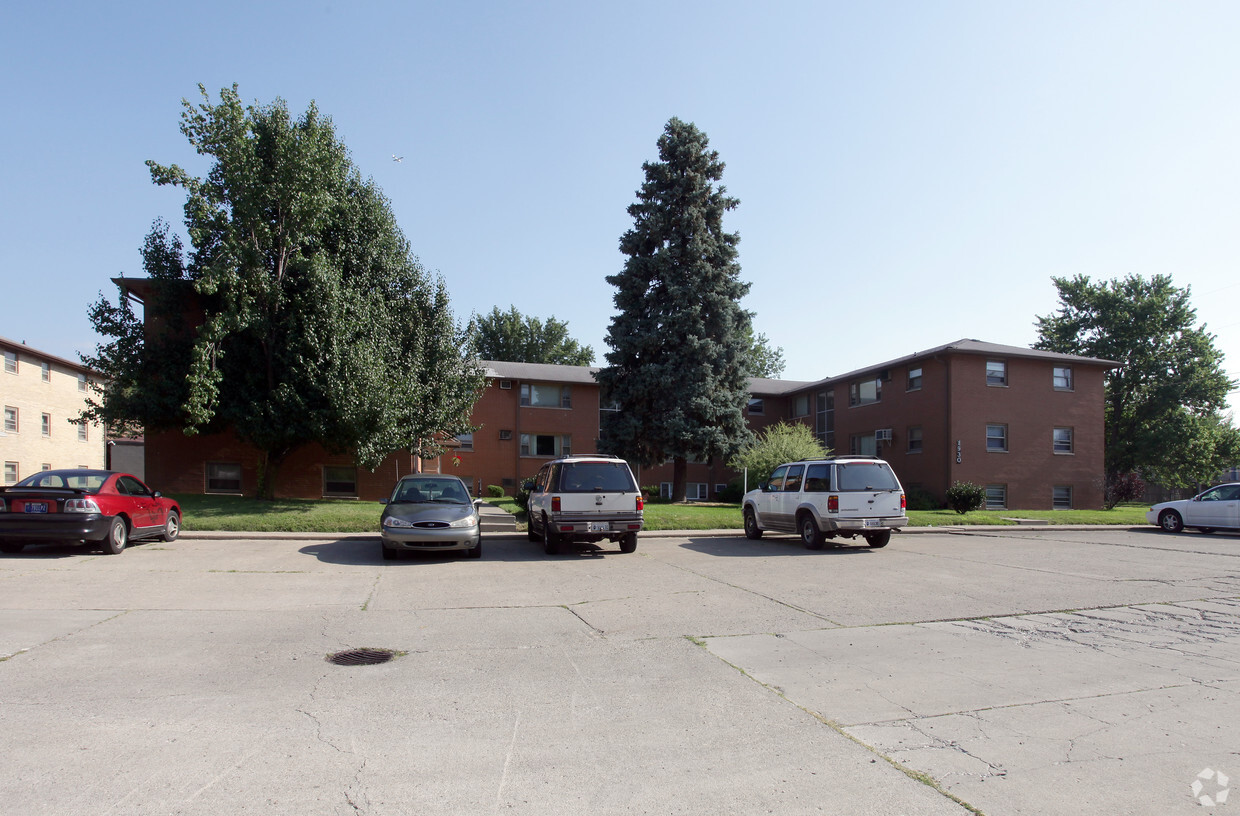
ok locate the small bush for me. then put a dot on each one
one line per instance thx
(734, 492)
(522, 499)
(964, 497)
(495, 491)
(650, 493)
(1123, 487)
(919, 498)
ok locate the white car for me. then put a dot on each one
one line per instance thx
(846, 496)
(1215, 509)
(586, 498)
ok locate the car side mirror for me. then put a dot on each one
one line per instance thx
(157, 494)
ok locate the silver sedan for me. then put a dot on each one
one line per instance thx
(430, 513)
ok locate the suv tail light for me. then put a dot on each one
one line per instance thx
(641, 503)
(555, 504)
(903, 502)
(833, 504)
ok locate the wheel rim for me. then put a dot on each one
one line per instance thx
(172, 527)
(751, 524)
(118, 535)
(808, 531)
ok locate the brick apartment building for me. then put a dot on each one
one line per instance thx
(1026, 424)
(40, 393)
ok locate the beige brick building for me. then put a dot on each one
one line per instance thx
(40, 394)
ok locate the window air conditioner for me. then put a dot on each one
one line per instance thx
(882, 435)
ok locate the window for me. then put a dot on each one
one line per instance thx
(1063, 440)
(756, 406)
(10, 472)
(83, 432)
(825, 423)
(719, 488)
(1061, 497)
(339, 481)
(505, 435)
(10, 419)
(776, 483)
(996, 438)
(914, 378)
(818, 479)
(996, 372)
(549, 445)
(223, 477)
(466, 440)
(914, 440)
(800, 405)
(10, 361)
(792, 481)
(81, 382)
(1061, 378)
(996, 497)
(47, 465)
(865, 392)
(546, 396)
(47, 371)
(47, 424)
(862, 445)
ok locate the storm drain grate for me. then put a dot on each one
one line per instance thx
(361, 657)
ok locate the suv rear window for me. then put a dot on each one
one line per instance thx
(866, 476)
(592, 477)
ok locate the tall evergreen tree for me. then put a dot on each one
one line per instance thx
(1164, 401)
(318, 324)
(680, 342)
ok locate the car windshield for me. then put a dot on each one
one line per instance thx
(414, 491)
(89, 482)
(866, 476)
(596, 477)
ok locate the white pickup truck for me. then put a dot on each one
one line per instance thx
(820, 499)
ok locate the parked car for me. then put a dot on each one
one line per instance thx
(100, 507)
(585, 499)
(823, 499)
(430, 512)
(1215, 509)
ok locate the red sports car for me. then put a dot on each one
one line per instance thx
(98, 506)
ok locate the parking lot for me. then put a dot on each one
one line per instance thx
(994, 671)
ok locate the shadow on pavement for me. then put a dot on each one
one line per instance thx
(369, 552)
(733, 547)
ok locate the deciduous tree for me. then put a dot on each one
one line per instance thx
(779, 443)
(516, 338)
(679, 357)
(1163, 402)
(318, 324)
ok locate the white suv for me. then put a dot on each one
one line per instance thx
(585, 498)
(824, 498)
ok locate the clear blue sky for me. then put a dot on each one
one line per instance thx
(909, 173)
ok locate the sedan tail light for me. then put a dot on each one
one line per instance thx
(81, 506)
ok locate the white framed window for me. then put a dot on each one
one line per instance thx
(544, 395)
(549, 446)
(10, 361)
(466, 440)
(10, 419)
(47, 371)
(697, 491)
(223, 477)
(47, 424)
(83, 432)
(996, 438)
(47, 466)
(1061, 497)
(1061, 378)
(996, 497)
(1062, 440)
(81, 382)
(10, 473)
(865, 392)
(756, 406)
(996, 372)
(914, 379)
(340, 480)
(719, 488)
(914, 440)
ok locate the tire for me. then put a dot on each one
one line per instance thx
(811, 536)
(530, 532)
(172, 528)
(551, 541)
(11, 549)
(116, 539)
(752, 531)
(628, 544)
(475, 551)
(878, 540)
(1170, 521)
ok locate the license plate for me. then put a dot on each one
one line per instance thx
(872, 523)
(599, 526)
(36, 507)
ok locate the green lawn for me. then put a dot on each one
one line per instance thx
(233, 513)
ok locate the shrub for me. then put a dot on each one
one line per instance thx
(919, 498)
(965, 496)
(522, 499)
(1123, 487)
(733, 493)
(495, 491)
(781, 442)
